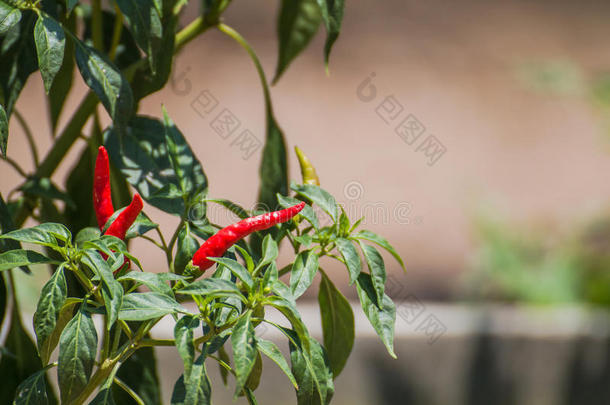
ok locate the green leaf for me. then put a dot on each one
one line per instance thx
(303, 271)
(236, 268)
(297, 24)
(44, 187)
(289, 310)
(274, 164)
(255, 375)
(198, 388)
(312, 372)
(332, 14)
(352, 259)
(87, 235)
(183, 334)
(144, 22)
(3, 131)
(18, 56)
(77, 351)
(157, 282)
(66, 313)
(140, 226)
(307, 212)
(376, 268)
(344, 224)
(19, 359)
(9, 16)
(142, 156)
(107, 81)
(148, 305)
(231, 206)
(21, 257)
(194, 389)
(381, 241)
(50, 45)
(337, 324)
(33, 391)
(35, 235)
(184, 164)
(213, 287)
(270, 252)
(52, 298)
(244, 349)
(382, 317)
(186, 247)
(62, 82)
(112, 291)
(319, 196)
(271, 350)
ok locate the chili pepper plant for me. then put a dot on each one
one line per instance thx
(219, 280)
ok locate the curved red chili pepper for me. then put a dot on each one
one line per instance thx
(126, 218)
(102, 198)
(217, 244)
(102, 201)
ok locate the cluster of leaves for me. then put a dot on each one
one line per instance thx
(231, 304)
(124, 53)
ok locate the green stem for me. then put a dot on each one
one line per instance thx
(129, 391)
(116, 32)
(96, 24)
(190, 32)
(156, 342)
(28, 136)
(16, 166)
(259, 68)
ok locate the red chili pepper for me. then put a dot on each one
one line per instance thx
(217, 244)
(126, 218)
(102, 198)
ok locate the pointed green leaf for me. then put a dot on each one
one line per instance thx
(271, 350)
(52, 298)
(186, 247)
(50, 45)
(148, 305)
(376, 269)
(144, 22)
(352, 259)
(381, 241)
(382, 317)
(112, 291)
(312, 372)
(297, 24)
(237, 269)
(157, 282)
(337, 324)
(213, 287)
(21, 257)
(319, 196)
(183, 334)
(303, 271)
(107, 81)
(270, 252)
(77, 351)
(9, 16)
(307, 212)
(332, 14)
(33, 391)
(244, 349)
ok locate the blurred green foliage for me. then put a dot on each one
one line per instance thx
(525, 263)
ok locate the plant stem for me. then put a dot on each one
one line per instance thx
(28, 136)
(129, 391)
(156, 342)
(15, 166)
(96, 24)
(190, 32)
(116, 32)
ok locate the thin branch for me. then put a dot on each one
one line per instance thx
(29, 136)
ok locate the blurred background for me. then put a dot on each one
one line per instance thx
(475, 136)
